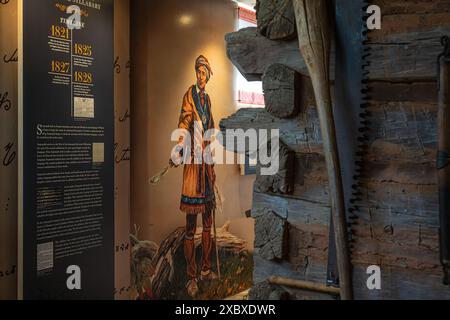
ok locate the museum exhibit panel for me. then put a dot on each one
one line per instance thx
(224, 150)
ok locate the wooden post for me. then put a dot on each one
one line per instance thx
(312, 17)
(304, 285)
(443, 158)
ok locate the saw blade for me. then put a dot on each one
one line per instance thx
(349, 107)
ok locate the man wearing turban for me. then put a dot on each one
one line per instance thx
(198, 196)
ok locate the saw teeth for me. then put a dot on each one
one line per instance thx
(363, 139)
(365, 114)
(364, 129)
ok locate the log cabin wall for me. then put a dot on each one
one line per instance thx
(396, 221)
(399, 217)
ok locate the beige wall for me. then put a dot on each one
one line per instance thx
(163, 54)
(8, 134)
(122, 139)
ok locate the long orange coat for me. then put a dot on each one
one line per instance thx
(198, 179)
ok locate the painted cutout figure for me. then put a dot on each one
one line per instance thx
(198, 197)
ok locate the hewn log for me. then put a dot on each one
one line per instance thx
(311, 178)
(310, 271)
(296, 211)
(399, 130)
(409, 26)
(402, 172)
(400, 283)
(282, 91)
(384, 231)
(395, 252)
(408, 126)
(305, 267)
(252, 53)
(270, 235)
(395, 91)
(394, 8)
(276, 19)
(283, 181)
(406, 56)
(265, 291)
(300, 135)
(398, 248)
(308, 245)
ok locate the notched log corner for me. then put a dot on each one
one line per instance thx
(282, 91)
(283, 181)
(252, 53)
(270, 235)
(266, 291)
(276, 19)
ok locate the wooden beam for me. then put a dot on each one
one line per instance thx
(304, 285)
(282, 91)
(270, 236)
(406, 56)
(276, 19)
(283, 181)
(253, 53)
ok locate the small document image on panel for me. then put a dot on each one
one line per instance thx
(44, 256)
(83, 108)
(98, 153)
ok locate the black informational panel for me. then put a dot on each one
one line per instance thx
(66, 130)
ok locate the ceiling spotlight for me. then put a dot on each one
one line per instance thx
(185, 20)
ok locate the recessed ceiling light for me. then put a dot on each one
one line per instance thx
(186, 19)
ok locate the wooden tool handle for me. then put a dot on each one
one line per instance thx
(443, 156)
(313, 28)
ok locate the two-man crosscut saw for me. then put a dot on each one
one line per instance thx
(350, 102)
